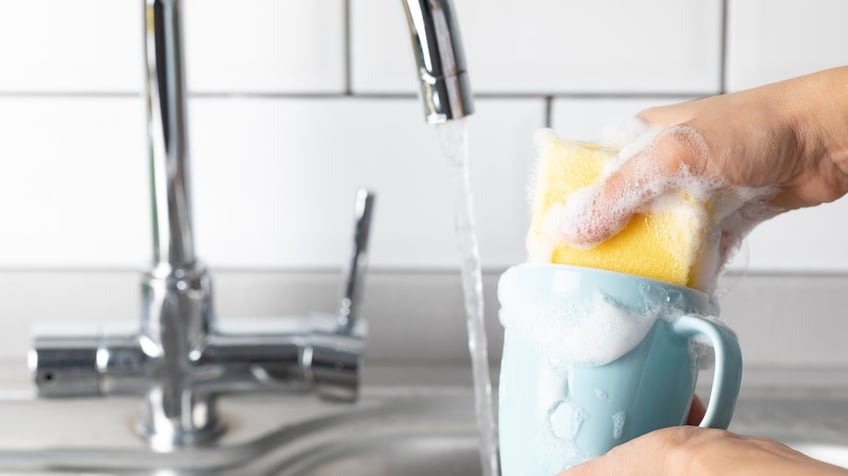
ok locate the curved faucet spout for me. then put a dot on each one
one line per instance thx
(167, 129)
(439, 59)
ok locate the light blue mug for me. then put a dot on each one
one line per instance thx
(595, 358)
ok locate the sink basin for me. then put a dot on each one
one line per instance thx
(388, 432)
(816, 426)
(391, 431)
(412, 455)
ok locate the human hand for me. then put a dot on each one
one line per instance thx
(692, 451)
(766, 150)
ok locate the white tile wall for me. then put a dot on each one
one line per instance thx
(258, 158)
(554, 45)
(596, 118)
(251, 46)
(73, 184)
(275, 180)
(812, 239)
(275, 169)
(265, 45)
(84, 45)
(770, 40)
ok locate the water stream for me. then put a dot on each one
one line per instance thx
(453, 139)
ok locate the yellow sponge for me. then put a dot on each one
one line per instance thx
(663, 244)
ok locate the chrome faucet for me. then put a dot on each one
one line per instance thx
(180, 357)
(444, 89)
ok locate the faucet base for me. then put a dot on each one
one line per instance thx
(165, 436)
(164, 443)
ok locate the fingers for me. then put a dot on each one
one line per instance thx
(600, 213)
(665, 116)
(696, 412)
(595, 214)
(648, 455)
(673, 114)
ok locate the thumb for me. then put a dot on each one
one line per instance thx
(696, 412)
(647, 455)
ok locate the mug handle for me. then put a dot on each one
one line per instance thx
(728, 367)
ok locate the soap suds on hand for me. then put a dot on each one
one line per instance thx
(703, 213)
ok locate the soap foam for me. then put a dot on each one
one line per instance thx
(595, 208)
(618, 424)
(589, 333)
(565, 420)
(630, 132)
(654, 186)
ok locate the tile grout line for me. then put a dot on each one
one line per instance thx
(362, 95)
(71, 94)
(549, 106)
(348, 60)
(448, 271)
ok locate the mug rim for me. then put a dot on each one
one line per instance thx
(684, 289)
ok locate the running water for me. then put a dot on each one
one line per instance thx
(453, 139)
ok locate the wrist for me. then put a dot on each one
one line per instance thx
(820, 117)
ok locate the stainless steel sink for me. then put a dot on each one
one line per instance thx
(816, 425)
(392, 431)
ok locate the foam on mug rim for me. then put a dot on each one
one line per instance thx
(577, 334)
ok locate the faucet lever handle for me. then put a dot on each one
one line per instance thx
(354, 272)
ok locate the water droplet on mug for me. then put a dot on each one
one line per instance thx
(559, 364)
(618, 424)
(601, 394)
(566, 419)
